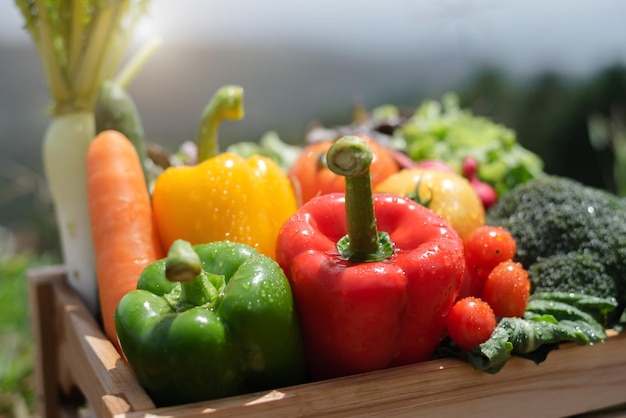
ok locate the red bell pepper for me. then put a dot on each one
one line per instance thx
(373, 277)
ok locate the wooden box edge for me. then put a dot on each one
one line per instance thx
(72, 353)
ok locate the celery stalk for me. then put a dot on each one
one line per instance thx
(80, 43)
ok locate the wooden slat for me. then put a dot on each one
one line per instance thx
(95, 365)
(41, 300)
(83, 358)
(573, 380)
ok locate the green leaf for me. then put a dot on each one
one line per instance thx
(551, 318)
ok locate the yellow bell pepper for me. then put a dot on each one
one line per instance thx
(224, 196)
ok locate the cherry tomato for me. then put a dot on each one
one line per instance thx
(507, 289)
(447, 194)
(485, 248)
(488, 246)
(471, 321)
(311, 176)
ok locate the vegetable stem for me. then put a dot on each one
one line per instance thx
(226, 103)
(118, 43)
(80, 44)
(351, 157)
(130, 70)
(183, 265)
(75, 35)
(45, 40)
(93, 62)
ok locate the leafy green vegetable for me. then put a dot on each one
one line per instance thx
(80, 43)
(271, 146)
(576, 271)
(569, 317)
(598, 307)
(442, 130)
(570, 237)
(548, 321)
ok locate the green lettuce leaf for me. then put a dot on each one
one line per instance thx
(550, 319)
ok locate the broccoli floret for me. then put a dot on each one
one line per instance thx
(557, 221)
(577, 272)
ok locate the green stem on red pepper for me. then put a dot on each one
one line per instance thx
(226, 103)
(197, 286)
(351, 157)
(365, 303)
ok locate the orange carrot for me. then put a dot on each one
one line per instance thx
(122, 227)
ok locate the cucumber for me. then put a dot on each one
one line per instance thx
(115, 109)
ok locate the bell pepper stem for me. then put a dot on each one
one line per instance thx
(226, 103)
(183, 265)
(351, 157)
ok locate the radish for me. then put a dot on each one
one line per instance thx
(485, 191)
(435, 165)
(80, 47)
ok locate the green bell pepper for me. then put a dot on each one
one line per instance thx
(210, 321)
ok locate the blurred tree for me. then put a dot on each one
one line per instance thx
(542, 113)
(490, 93)
(607, 97)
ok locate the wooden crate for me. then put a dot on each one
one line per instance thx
(76, 363)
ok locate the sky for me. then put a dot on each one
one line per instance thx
(522, 35)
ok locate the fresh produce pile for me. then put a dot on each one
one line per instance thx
(393, 240)
(280, 264)
(486, 153)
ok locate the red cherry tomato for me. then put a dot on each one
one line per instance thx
(470, 322)
(485, 248)
(507, 289)
(488, 246)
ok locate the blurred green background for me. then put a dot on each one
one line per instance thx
(552, 72)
